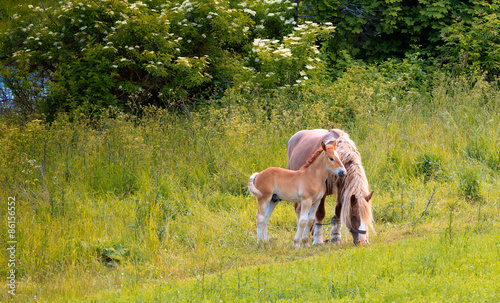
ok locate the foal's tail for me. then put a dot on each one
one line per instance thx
(251, 186)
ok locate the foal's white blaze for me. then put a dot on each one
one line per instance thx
(362, 237)
(340, 168)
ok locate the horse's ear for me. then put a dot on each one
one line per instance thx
(323, 146)
(334, 145)
(369, 197)
(357, 152)
(353, 200)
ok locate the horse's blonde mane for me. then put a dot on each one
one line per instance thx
(355, 182)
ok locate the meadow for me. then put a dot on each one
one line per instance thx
(153, 206)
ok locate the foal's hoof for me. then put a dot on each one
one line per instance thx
(336, 240)
(318, 243)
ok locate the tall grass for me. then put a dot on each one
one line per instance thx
(129, 201)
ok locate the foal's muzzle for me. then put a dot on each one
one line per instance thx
(341, 173)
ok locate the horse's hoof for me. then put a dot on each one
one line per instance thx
(318, 243)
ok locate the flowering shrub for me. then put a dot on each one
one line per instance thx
(291, 61)
(101, 53)
(98, 53)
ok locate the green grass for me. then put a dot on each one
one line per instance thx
(156, 207)
(429, 268)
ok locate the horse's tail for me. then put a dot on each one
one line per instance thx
(251, 186)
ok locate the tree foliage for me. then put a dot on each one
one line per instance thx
(376, 30)
(92, 54)
(473, 45)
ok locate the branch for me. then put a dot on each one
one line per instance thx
(429, 202)
(50, 17)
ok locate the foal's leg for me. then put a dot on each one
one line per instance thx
(269, 211)
(305, 206)
(310, 222)
(317, 228)
(263, 205)
(335, 234)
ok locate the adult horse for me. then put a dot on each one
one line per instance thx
(353, 209)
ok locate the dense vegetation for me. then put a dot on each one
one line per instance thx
(130, 181)
(86, 55)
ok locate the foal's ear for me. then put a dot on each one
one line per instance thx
(323, 146)
(369, 197)
(334, 145)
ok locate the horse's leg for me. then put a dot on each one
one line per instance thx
(305, 206)
(263, 205)
(297, 209)
(318, 229)
(335, 235)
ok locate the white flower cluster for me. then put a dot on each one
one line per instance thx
(136, 5)
(297, 52)
(186, 6)
(211, 14)
(155, 65)
(249, 11)
(263, 45)
(183, 61)
(283, 51)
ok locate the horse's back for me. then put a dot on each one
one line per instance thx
(305, 142)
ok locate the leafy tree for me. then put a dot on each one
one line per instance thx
(376, 30)
(473, 45)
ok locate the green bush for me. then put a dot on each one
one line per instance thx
(91, 55)
(469, 183)
(428, 165)
(471, 45)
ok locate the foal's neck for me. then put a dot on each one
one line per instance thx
(317, 169)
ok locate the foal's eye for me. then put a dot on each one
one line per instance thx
(331, 159)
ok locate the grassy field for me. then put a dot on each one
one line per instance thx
(424, 268)
(155, 208)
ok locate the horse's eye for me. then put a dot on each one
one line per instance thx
(331, 159)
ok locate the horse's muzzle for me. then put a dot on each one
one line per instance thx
(359, 237)
(355, 238)
(341, 173)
